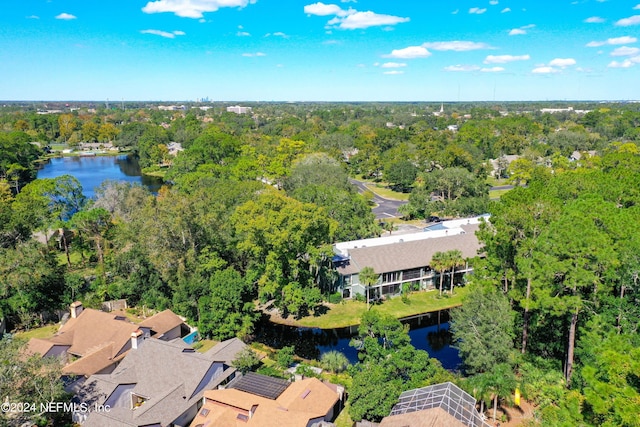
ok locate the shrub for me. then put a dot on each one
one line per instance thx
(335, 298)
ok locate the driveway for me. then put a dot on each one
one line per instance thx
(384, 208)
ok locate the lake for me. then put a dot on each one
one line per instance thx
(92, 171)
(311, 343)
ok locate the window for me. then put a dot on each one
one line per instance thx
(394, 276)
(411, 274)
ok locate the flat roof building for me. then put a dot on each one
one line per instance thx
(404, 259)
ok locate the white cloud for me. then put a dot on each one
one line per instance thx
(493, 2)
(250, 55)
(242, 34)
(626, 22)
(33, 17)
(410, 52)
(368, 19)
(280, 34)
(636, 7)
(492, 70)
(165, 34)
(463, 68)
(352, 19)
(545, 70)
(394, 72)
(625, 51)
(456, 45)
(66, 16)
(393, 65)
(477, 10)
(503, 59)
(321, 9)
(517, 32)
(594, 20)
(455, 12)
(629, 62)
(562, 62)
(506, 10)
(191, 8)
(613, 41)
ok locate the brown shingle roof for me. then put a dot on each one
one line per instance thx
(435, 417)
(407, 255)
(162, 322)
(91, 330)
(302, 401)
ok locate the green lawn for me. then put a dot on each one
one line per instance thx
(496, 194)
(349, 313)
(205, 345)
(43, 332)
(383, 191)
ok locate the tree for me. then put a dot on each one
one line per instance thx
(31, 282)
(285, 244)
(227, 310)
(453, 259)
(368, 277)
(334, 361)
(483, 329)
(90, 131)
(31, 381)
(67, 124)
(388, 365)
(107, 132)
(401, 174)
(439, 264)
(93, 225)
(611, 375)
(246, 360)
(285, 356)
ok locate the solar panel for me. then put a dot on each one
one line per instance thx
(260, 385)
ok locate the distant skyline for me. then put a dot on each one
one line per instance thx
(346, 50)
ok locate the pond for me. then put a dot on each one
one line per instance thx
(311, 343)
(92, 171)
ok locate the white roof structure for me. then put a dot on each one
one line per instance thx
(442, 229)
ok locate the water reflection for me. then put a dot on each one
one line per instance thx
(429, 332)
(92, 171)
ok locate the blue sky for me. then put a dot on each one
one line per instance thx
(345, 50)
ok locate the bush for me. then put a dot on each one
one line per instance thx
(335, 298)
(360, 298)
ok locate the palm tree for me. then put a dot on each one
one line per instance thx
(334, 361)
(368, 277)
(438, 263)
(501, 382)
(454, 259)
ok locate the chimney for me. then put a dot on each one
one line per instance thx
(76, 309)
(136, 339)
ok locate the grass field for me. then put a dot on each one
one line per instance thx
(496, 194)
(43, 332)
(383, 191)
(349, 313)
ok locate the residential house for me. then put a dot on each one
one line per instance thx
(258, 400)
(404, 258)
(94, 342)
(439, 405)
(159, 383)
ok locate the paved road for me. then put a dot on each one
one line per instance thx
(385, 208)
